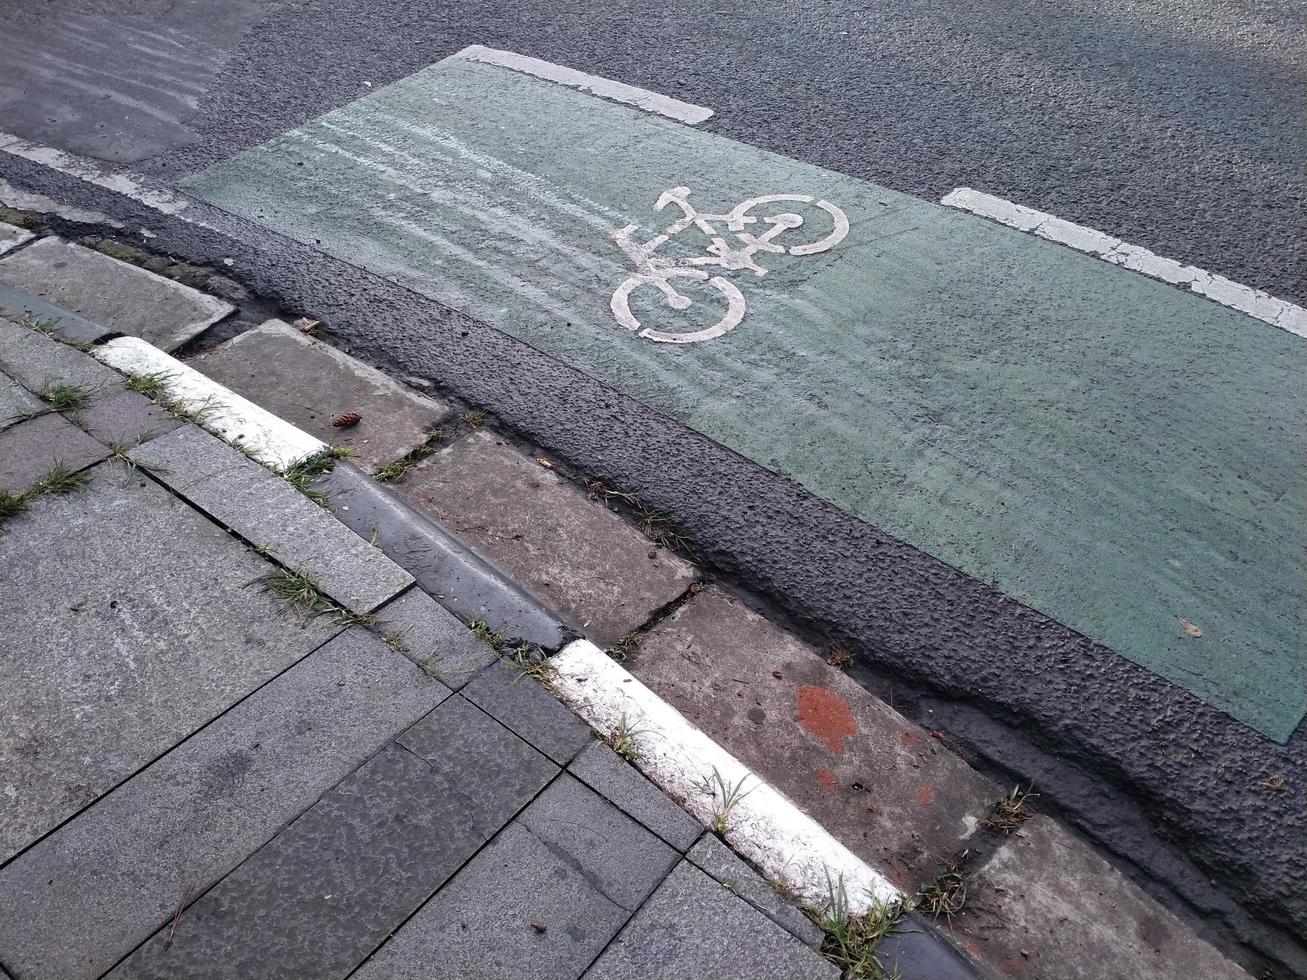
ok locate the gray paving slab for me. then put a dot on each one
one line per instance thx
(518, 911)
(723, 865)
(271, 514)
(310, 384)
(122, 297)
(16, 304)
(86, 895)
(124, 418)
(128, 623)
(314, 901)
(892, 794)
(1048, 906)
(916, 950)
(30, 449)
(579, 557)
(692, 926)
(35, 361)
(523, 706)
(617, 855)
(11, 237)
(617, 781)
(493, 771)
(16, 402)
(434, 638)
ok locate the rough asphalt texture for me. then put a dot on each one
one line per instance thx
(1180, 131)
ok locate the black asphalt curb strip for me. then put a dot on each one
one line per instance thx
(444, 567)
(1051, 697)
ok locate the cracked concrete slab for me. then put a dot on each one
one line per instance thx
(575, 554)
(310, 384)
(122, 297)
(16, 402)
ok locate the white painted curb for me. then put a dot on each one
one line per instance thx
(605, 88)
(274, 442)
(1254, 302)
(763, 825)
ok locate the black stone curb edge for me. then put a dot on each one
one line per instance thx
(444, 567)
(939, 638)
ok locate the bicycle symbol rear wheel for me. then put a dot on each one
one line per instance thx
(840, 221)
(621, 305)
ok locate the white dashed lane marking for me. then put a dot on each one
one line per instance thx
(1256, 303)
(605, 88)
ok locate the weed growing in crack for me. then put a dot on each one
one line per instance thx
(395, 640)
(391, 471)
(626, 646)
(598, 490)
(66, 397)
(947, 894)
(153, 386)
(120, 451)
(851, 940)
(530, 661)
(622, 739)
(725, 798)
(662, 532)
(1013, 810)
(12, 504)
(485, 634)
(305, 473)
(297, 590)
(475, 418)
(60, 481)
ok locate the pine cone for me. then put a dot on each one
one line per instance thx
(346, 420)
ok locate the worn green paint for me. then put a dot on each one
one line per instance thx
(1110, 450)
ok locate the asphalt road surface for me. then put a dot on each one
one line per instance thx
(1180, 130)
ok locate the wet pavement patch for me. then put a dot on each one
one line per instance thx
(1107, 449)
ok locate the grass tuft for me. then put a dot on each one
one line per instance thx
(153, 386)
(12, 504)
(296, 589)
(725, 798)
(851, 940)
(1014, 809)
(475, 418)
(947, 894)
(66, 397)
(485, 634)
(60, 481)
(622, 739)
(305, 473)
(391, 471)
(626, 646)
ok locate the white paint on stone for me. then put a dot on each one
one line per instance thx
(1255, 302)
(136, 187)
(11, 237)
(763, 825)
(606, 88)
(20, 200)
(272, 441)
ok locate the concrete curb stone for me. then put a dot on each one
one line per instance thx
(310, 384)
(270, 513)
(122, 297)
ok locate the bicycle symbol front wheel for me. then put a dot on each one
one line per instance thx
(621, 305)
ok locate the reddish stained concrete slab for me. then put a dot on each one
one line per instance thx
(1047, 907)
(894, 796)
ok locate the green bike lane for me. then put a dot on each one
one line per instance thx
(1117, 454)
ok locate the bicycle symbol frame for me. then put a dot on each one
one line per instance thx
(731, 256)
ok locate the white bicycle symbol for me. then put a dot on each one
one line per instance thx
(733, 257)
